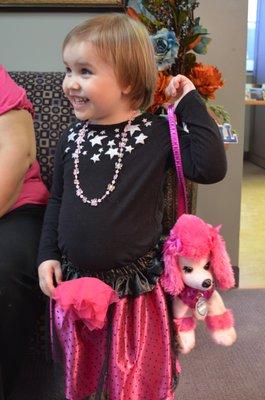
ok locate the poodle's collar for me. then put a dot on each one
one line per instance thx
(190, 296)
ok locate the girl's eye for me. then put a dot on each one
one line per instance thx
(187, 269)
(86, 71)
(207, 266)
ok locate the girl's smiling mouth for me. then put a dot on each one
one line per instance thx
(78, 100)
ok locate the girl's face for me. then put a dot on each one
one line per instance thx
(92, 87)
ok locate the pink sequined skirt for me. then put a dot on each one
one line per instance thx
(133, 357)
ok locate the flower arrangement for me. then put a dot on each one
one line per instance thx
(178, 37)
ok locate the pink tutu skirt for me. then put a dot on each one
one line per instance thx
(132, 356)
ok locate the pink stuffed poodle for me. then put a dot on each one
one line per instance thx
(196, 262)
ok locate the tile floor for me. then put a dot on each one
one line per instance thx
(252, 230)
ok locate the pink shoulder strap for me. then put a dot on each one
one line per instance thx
(182, 194)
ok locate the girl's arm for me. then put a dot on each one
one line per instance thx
(202, 148)
(17, 154)
(48, 248)
(49, 256)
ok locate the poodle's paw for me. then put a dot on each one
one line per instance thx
(186, 341)
(224, 337)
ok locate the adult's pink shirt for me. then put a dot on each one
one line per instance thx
(13, 97)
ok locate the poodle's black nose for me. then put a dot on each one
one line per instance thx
(207, 283)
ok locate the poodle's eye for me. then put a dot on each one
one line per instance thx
(187, 269)
(207, 266)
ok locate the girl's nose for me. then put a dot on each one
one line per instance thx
(73, 84)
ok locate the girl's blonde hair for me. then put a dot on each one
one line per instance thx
(125, 44)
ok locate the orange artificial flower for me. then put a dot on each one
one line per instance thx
(159, 96)
(207, 79)
(132, 13)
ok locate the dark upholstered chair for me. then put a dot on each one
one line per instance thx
(52, 116)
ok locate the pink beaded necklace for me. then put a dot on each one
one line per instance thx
(118, 165)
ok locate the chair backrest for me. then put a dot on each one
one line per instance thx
(53, 115)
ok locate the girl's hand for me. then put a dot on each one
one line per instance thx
(49, 271)
(178, 87)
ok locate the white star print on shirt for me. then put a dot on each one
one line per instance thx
(97, 140)
(112, 152)
(185, 127)
(95, 158)
(129, 148)
(148, 123)
(91, 133)
(132, 129)
(72, 136)
(111, 143)
(140, 139)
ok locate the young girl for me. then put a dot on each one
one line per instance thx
(104, 218)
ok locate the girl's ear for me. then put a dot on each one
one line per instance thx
(127, 90)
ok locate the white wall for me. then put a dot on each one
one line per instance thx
(32, 41)
(227, 23)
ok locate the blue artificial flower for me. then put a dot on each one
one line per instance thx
(138, 6)
(166, 48)
(202, 46)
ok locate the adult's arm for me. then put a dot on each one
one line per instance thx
(17, 154)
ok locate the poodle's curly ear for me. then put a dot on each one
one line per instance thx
(220, 263)
(171, 279)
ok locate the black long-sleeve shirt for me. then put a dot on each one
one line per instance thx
(127, 223)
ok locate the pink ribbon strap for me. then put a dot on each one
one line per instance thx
(182, 194)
